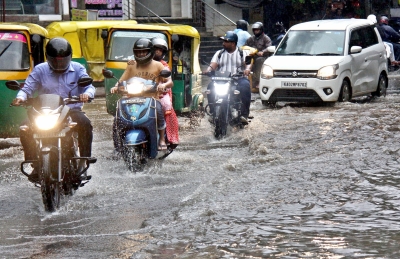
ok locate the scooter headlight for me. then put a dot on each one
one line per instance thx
(135, 87)
(47, 119)
(221, 89)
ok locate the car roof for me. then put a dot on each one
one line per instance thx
(336, 24)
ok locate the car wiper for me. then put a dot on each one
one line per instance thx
(298, 54)
(327, 54)
(4, 50)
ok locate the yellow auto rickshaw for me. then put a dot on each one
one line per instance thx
(21, 48)
(87, 44)
(120, 39)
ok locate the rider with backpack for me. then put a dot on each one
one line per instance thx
(232, 59)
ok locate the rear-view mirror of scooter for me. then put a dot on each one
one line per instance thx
(108, 74)
(165, 73)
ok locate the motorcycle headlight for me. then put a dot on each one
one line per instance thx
(328, 72)
(47, 120)
(221, 89)
(267, 72)
(135, 87)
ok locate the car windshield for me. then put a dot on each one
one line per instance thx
(312, 43)
(14, 54)
(121, 44)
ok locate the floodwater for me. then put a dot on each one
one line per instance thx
(300, 181)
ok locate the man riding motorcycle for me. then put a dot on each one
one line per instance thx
(58, 71)
(231, 59)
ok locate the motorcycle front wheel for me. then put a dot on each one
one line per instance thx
(221, 123)
(50, 187)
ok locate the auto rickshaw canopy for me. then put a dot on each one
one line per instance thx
(86, 42)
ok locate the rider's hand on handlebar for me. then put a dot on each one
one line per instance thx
(115, 89)
(17, 102)
(84, 97)
(246, 72)
(161, 87)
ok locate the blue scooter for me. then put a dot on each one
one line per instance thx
(136, 122)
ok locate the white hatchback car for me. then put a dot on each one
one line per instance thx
(326, 61)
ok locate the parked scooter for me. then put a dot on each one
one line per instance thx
(227, 104)
(136, 122)
(57, 145)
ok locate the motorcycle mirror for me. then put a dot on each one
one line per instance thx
(247, 60)
(107, 73)
(84, 81)
(165, 73)
(13, 85)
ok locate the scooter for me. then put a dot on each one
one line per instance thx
(136, 122)
(227, 105)
(57, 145)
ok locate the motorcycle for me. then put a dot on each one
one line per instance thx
(136, 122)
(58, 157)
(227, 104)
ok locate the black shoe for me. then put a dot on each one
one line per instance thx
(243, 120)
(34, 177)
(81, 167)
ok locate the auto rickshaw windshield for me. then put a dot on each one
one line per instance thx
(14, 53)
(121, 43)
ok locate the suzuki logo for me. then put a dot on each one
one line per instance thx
(294, 74)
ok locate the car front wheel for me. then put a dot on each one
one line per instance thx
(382, 87)
(345, 92)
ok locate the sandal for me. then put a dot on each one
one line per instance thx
(162, 147)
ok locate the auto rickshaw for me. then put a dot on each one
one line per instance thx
(21, 48)
(86, 42)
(119, 40)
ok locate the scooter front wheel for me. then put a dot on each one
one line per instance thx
(132, 158)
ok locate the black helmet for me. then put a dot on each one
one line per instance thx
(259, 26)
(242, 24)
(161, 44)
(279, 28)
(58, 54)
(230, 36)
(140, 45)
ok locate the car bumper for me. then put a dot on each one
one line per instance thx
(300, 89)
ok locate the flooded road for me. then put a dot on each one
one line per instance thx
(300, 181)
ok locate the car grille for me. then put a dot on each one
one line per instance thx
(294, 95)
(295, 74)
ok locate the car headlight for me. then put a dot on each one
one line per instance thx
(328, 72)
(221, 89)
(47, 121)
(267, 72)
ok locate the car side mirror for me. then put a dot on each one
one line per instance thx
(355, 49)
(271, 49)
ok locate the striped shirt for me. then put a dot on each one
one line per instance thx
(230, 61)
